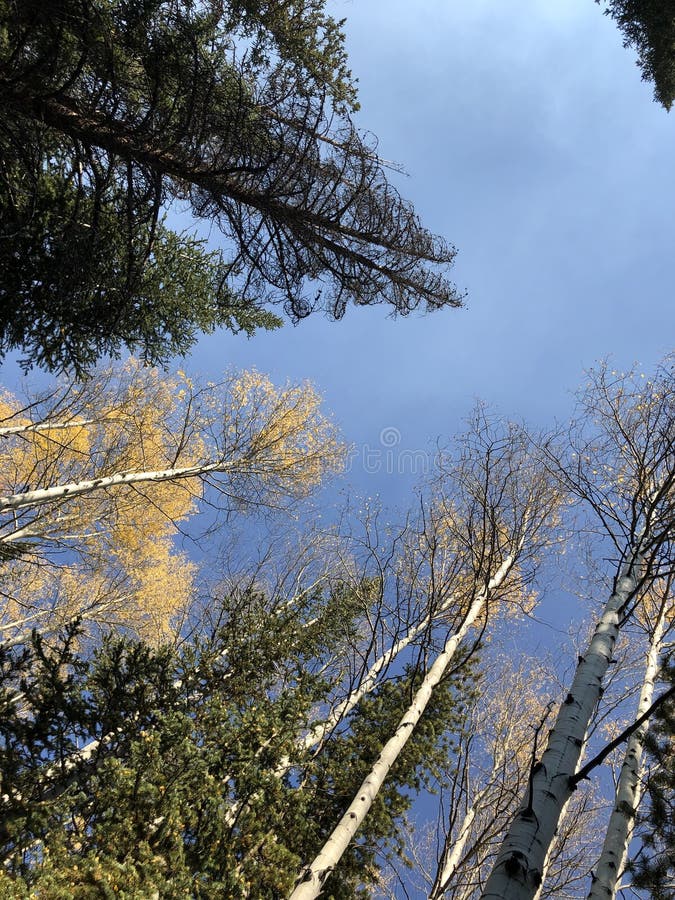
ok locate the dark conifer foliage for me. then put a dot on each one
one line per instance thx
(193, 783)
(114, 111)
(648, 26)
(654, 867)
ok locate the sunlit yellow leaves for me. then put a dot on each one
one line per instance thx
(657, 603)
(100, 557)
(253, 441)
(160, 589)
(286, 436)
(143, 592)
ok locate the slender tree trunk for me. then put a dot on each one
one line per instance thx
(76, 488)
(369, 683)
(370, 680)
(488, 809)
(628, 789)
(453, 858)
(36, 427)
(519, 867)
(313, 877)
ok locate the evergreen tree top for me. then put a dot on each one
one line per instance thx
(113, 112)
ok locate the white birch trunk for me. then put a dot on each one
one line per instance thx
(454, 857)
(314, 876)
(32, 427)
(45, 532)
(628, 789)
(84, 754)
(77, 488)
(369, 681)
(549, 853)
(24, 636)
(519, 867)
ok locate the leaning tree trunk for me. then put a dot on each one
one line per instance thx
(452, 860)
(37, 427)
(61, 492)
(628, 789)
(370, 680)
(518, 870)
(470, 839)
(312, 878)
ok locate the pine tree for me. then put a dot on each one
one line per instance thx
(113, 111)
(648, 26)
(188, 731)
(653, 868)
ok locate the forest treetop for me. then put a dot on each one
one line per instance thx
(116, 112)
(648, 26)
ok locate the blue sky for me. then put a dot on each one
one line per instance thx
(532, 144)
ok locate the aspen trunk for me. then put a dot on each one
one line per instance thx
(313, 877)
(317, 734)
(489, 807)
(454, 857)
(628, 789)
(24, 636)
(519, 867)
(369, 681)
(76, 488)
(36, 428)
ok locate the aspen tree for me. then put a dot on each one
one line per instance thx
(470, 834)
(312, 879)
(267, 443)
(459, 544)
(98, 498)
(491, 771)
(657, 609)
(495, 540)
(621, 465)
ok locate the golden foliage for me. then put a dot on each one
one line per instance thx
(656, 603)
(99, 556)
(286, 436)
(107, 552)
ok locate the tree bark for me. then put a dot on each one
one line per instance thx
(313, 877)
(76, 488)
(628, 789)
(519, 867)
(37, 427)
(369, 681)
(454, 857)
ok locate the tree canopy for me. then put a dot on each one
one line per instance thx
(116, 112)
(183, 795)
(648, 26)
(98, 478)
(271, 745)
